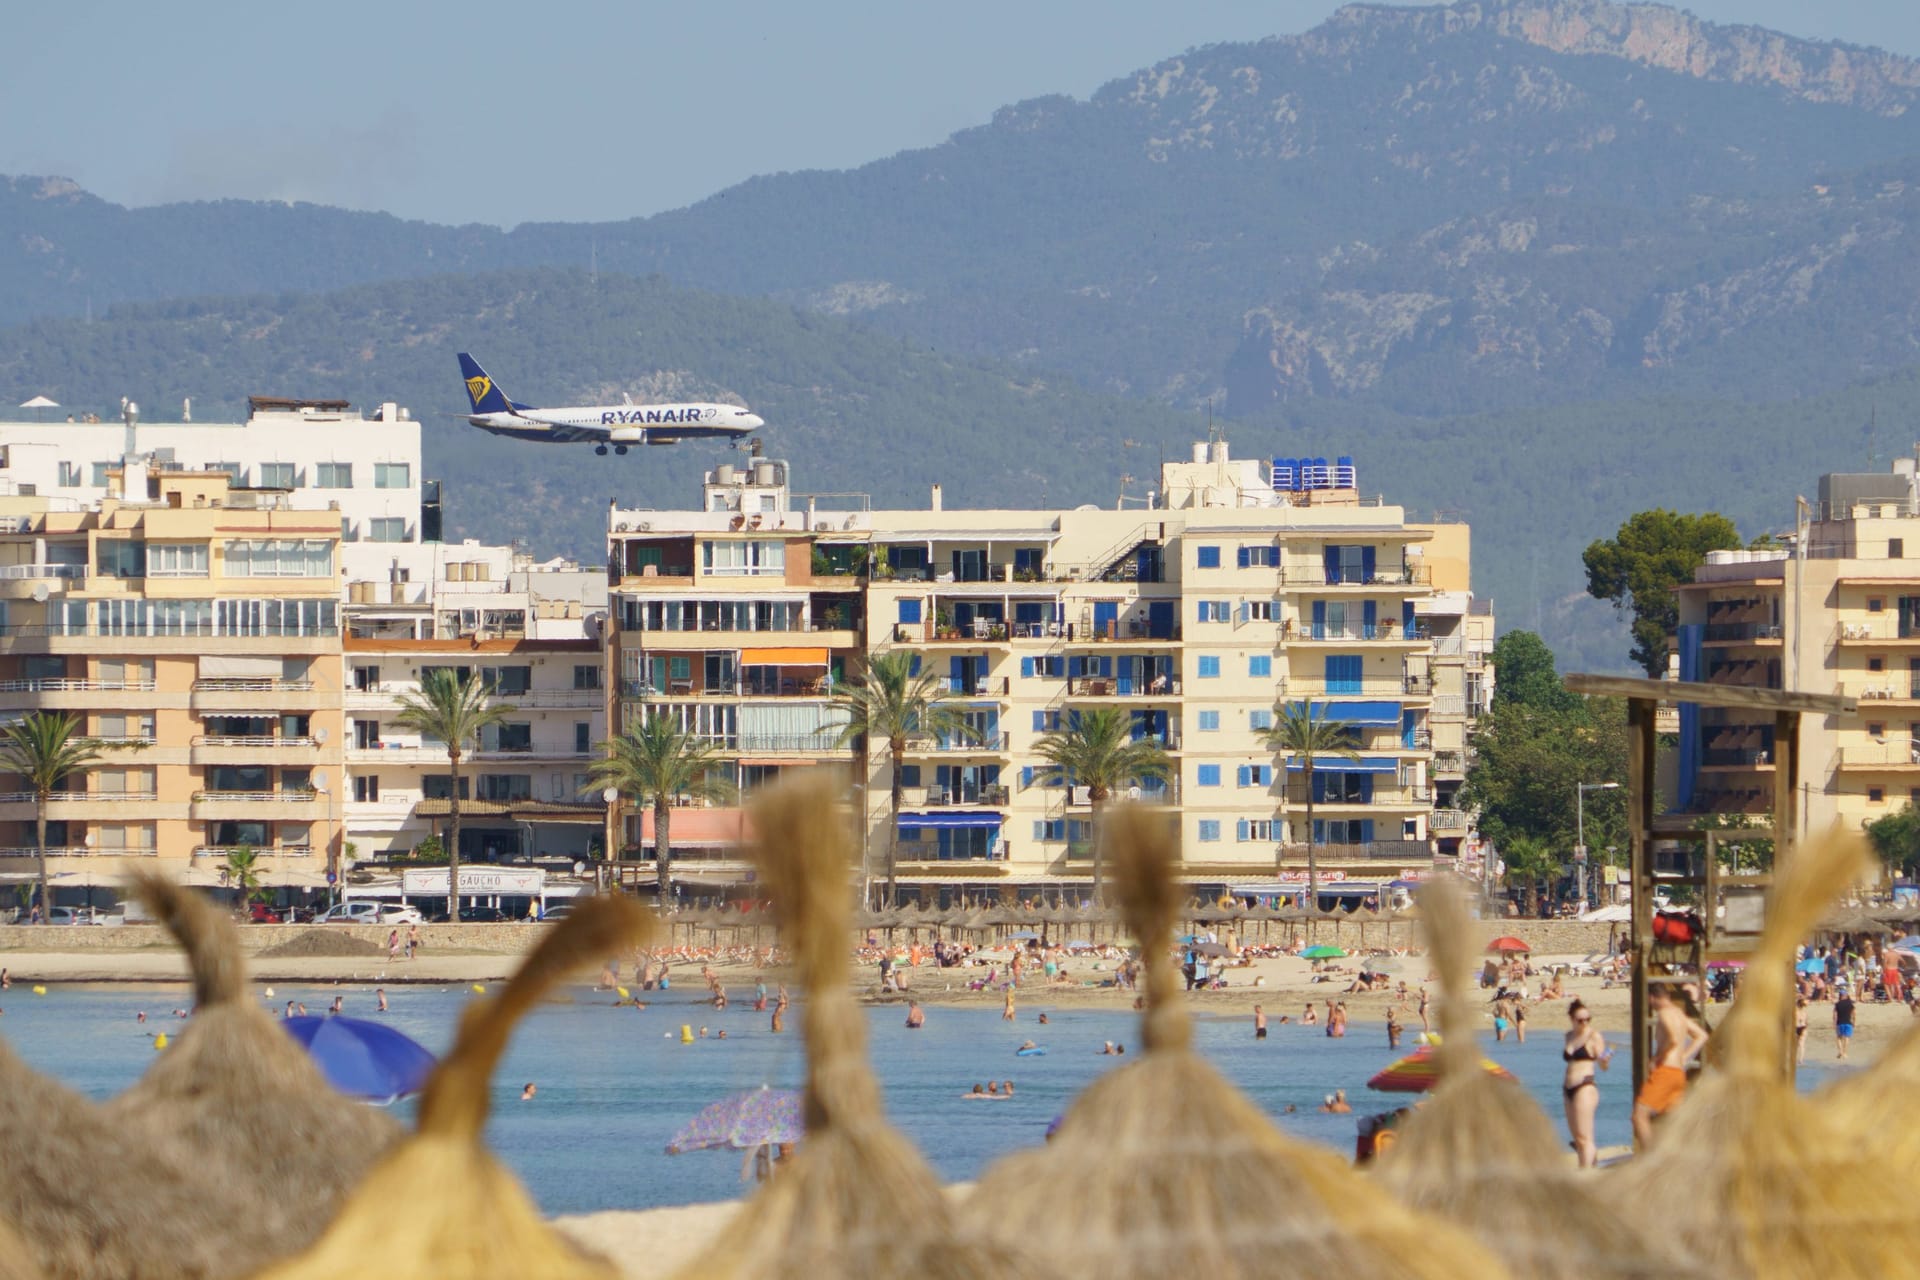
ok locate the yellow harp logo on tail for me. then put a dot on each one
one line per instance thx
(478, 388)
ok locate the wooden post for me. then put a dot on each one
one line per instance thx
(1641, 746)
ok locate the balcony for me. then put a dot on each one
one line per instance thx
(1408, 852)
(993, 796)
(997, 744)
(1315, 575)
(1741, 633)
(1450, 764)
(1888, 689)
(1737, 758)
(1387, 630)
(1447, 820)
(69, 851)
(215, 749)
(983, 687)
(238, 694)
(820, 686)
(287, 806)
(1901, 754)
(1113, 687)
(1884, 630)
(73, 695)
(1296, 689)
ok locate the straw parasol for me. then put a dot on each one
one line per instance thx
(439, 1207)
(16, 1263)
(857, 1199)
(1746, 1173)
(1483, 1155)
(244, 1096)
(93, 1203)
(1877, 1111)
(1163, 1168)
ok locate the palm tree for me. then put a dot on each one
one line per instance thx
(1301, 732)
(243, 873)
(453, 711)
(1097, 750)
(653, 762)
(891, 703)
(45, 749)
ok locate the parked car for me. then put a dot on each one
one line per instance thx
(350, 913)
(261, 913)
(401, 915)
(73, 915)
(477, 915)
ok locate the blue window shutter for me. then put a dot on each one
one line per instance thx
(1366, 831)
(940, 775)
(1241, 557)
(1240, 830)
(1366, 788)
(1039, 722)
(913, 668)
(1331, 555)
(956, 670)
(1366, 563)
(1026, 668)
(1332, 663)
(1039, 829)
(1406, 614)
(1319, 787)
(1319, 617)
(1369, 616)
(1106, 667)
(1026, 775)
(909, 775)
(1242, 777)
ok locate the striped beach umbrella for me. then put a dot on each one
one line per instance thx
(1419, 1072)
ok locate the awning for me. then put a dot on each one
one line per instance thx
(1356, 712)
(935, 821)
(1334, 764)
(783, 657)
(699, 828)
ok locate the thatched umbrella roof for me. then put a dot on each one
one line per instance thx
(1745, 1172)
(439, 1206)
(857, 1199)
(1163, 1168)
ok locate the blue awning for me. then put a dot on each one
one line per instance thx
(933, 821)
(1334, 764)
(1355, 712)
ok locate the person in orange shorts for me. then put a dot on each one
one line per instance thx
(1677, 1038)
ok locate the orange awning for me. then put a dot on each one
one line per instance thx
(704, 827)
(783, 657)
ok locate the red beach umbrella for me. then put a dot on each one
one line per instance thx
(1508, 946)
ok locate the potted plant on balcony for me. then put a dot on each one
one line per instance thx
(943, 628)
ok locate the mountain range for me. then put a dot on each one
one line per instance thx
(1527, 260)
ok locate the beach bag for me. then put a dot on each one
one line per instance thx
(1676, 928)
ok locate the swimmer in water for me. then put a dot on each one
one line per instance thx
(527, 1091)
(381, 993)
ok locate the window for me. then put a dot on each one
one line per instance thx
(1343, 673)
(1209, 830)
(1050, 829)
(279, 475)
(366, 788)
(387, 529)
(1255, 775)
(582, 737)
(1875, 795)
(1259, 557)
(1261, 719)
(280, 558)
(1260, 666)
(1876, 664)
(507, 736)
(1896, 548)
(1206, 557)
(1209, 666)
(1253, 829)
(1874, 604)
(586, 676)
(100, 470)
(69, 475)
(435, 786)
(346, 530)
(392, 475)
(1876, 731)
(333, 475)
(743, 556)
(230, 835)
(1215, 611)
(132, 837)
(1209, 775)
(120, 558)
(506, 787)
(176, 559)
(1209, 721)
(236, 473)
(1256, 611)
(910, 611)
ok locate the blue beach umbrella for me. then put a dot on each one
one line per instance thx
(760, 1117)
(1812, 964)
(363, 1059)
(1909, 943)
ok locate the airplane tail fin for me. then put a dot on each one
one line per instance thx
(481, 389)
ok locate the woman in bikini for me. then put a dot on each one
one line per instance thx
(1583, 1051)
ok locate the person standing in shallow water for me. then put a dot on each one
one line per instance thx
(1259, 1023)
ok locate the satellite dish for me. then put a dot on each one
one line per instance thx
(320, 780)
(40, 592)
(579, 868)
(320, 734)
(1133, 793)
(610, 795)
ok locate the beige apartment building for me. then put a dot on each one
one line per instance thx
(1240, 586)
(1837, 610)
(195, 626)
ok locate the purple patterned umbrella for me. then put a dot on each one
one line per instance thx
(759, 1117)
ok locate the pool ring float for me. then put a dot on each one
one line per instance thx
(1035, 1052)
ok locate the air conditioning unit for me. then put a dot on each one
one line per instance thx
(623, 527)
(645, 526)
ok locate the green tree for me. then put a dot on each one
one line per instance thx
(1096, 749)
(654, 762)
(47, 748)
(453, 711)
(1896, 838)
(1523, 672)
(243, 874)
(1754, 853)
(892, 704)
(1639, 567)
(1530, 864)
(1302, 732)
(1528, 763)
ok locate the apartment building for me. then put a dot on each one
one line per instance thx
(1835, 610)
(195, 628)
(1241, 586)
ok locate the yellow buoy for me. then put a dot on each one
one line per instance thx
(160, 1041)
(39, 991)
(624, 993)
(479, 989)
(686, 1033)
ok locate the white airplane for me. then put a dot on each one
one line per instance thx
(618, 425)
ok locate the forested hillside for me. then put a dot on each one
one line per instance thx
(858, 411)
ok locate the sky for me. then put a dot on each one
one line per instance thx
(503, 112)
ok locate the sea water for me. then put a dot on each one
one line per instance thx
(615, 1084)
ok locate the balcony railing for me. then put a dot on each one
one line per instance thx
(1374, 851)
(995, 796)
(1315, 575)
(1114, 687)
(990, 745)
(256, 797)
(1736, 757)
(1891, 690)
(1888, 628)
(1447, 820)
(1734, 632)
(250, 684)
(983, 687)
(1901, 753)
(19, 571)
(1353, 632)
(72, 851)
(218, 740)
(222, 850)
(76, 686)
(1449, 762)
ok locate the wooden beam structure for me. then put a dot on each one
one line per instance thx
(1666, 964)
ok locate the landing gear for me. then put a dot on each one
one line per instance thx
(601, 450)
(620, 449)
